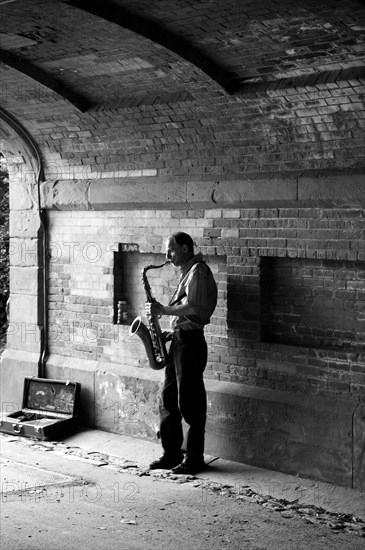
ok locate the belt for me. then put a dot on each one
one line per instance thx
(189, 332)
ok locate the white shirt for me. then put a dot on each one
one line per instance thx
(198, 288)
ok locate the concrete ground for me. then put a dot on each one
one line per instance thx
(220, 471)
(94, 489)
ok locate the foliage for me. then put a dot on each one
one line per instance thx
(4, 250)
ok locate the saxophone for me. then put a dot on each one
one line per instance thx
(152, 336)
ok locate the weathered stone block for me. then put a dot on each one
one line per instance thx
(24, 280)
(127, 404)
(65, 194)
(245, 193)
(14, 367)
(339, 191)
(22, 192)
(301, 435)
(23, 336)
(24, 252)
(133, 193)
(24, 309)
(24, 223)
(359, 447)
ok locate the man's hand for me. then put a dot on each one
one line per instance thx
(167, 335)
(154, 308)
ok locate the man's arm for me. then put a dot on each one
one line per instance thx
(179, 310)
(196, 291)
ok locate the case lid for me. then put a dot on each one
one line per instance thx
(50, 395)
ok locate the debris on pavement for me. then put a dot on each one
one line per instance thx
(336, 521)
(129, 521)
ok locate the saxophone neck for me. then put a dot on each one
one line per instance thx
(148, 267)
(146, 284)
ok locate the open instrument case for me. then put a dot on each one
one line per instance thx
(49, 409)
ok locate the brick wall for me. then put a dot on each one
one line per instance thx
(246, 130)
(154, 111)
(313, 303)
(283, 131)
(238, 245)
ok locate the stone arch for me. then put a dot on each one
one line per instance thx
(26, 324)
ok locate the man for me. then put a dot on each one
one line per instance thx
(183, 394)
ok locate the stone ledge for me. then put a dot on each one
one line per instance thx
(341, 191)
(311, 436)
(299, 434)
(306, 190)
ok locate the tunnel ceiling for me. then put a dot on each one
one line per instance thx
(100, 55)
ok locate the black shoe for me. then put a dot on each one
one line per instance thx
(189, 466)
(166, 462)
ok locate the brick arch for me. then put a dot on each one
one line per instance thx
(158, 33)
(19, 148)
(29, 69)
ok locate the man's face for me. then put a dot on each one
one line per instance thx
(177, 254)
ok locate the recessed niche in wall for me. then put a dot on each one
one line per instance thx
(243, 304)
(128, 286)
(129, 289)
(313, 303)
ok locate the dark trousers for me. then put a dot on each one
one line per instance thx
(183, 395)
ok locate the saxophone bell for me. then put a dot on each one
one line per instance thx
(151, 336)
(157, 361)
